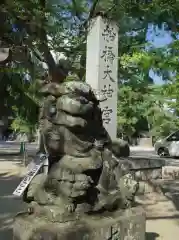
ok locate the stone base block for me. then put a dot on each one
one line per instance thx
(146, 163)
(170, 172)
(152, 186)
(145, 169)
(148, 174)
(122, 225)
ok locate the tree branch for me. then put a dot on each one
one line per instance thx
(92, 10)
(44, 44)
(39, 32)
(76, 12)
(91, 13)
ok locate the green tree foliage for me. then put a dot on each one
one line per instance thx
(131, 108)
(61, 26)
(159, 112)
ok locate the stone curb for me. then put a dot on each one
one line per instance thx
(170, 172)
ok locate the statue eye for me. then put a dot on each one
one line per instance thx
(52, 110)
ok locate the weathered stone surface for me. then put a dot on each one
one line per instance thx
(62, 118)
(123, 225)
(74, 163)
(146, 163)
(148, 174)
(61, 141)
(74, 106)
(170, 172)
(79, 148)
(150, 187)
(71, 87)
(120, 148)
(147, 169)
(4, 54)
(86, 177)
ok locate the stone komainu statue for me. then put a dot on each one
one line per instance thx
(85, 175)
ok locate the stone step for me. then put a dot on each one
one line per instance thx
(145, 169)
(146, 163)
(162, 187)
(153, 186)
(148, 174)
(122, 224)
(170, 172)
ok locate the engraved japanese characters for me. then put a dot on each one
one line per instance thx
(102, 68)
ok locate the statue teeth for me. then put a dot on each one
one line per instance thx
(100, 97)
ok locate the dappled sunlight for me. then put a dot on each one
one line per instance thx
(6, 221)
(8, 197)
(161, 206)
(11, 159)
(5, 217)
(11, 169)
(9, 204)
(151, 236)
(158, 205)
(162, 228)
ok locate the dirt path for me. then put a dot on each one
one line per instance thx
(162, 212)
(10, 176)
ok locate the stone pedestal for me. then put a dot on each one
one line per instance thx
(122, 225)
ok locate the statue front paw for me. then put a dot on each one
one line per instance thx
(128, 189)
(70, 207)
(36, 191)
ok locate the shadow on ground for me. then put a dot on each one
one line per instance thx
(9, 205)
(151, 236)
(169, 188)
(171, 191)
